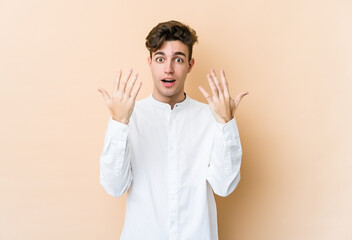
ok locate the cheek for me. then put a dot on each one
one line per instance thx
(154, 70)
(185, 71)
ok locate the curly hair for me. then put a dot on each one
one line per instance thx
(170, 31)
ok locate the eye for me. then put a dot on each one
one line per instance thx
(178, 60)
(159, 59)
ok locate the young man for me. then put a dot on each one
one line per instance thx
(168, 151)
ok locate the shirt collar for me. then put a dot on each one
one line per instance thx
(166, 106)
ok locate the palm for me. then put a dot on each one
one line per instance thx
(221, 103)
(122, 100)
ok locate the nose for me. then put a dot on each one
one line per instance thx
(168, 67)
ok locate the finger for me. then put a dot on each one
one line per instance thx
(131, 84)
(213, 88)
(225, 84)
(105, 94)
(239, 98)
(205, 94)
(217, 84)
(136, 91)
(117, 82)
(124, 81)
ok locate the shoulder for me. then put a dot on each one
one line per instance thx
(199, 108)
(141, 107)
(201, 116)
(142, 102)
(197, 105)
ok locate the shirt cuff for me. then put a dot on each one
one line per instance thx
(229, 127)
(117, 130)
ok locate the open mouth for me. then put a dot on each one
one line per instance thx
(168, 82)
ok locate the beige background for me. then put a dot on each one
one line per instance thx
(294, 57)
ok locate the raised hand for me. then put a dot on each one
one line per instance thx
(221, 103)
(122, 100)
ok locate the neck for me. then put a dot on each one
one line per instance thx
(172, 100)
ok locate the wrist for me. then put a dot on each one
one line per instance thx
(121, 120)
(228, 118)
(224, 120)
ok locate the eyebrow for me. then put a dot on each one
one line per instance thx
(176, 53)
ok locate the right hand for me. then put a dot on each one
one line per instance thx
(122, 100)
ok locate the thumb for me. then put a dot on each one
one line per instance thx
(239, 98)
(205, 94)
(105, 94)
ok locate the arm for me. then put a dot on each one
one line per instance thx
(223, 173)
(224, 168)
(115, 166)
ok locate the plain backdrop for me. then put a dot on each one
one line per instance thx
(294, 57)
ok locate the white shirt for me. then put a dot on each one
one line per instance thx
(170, 162)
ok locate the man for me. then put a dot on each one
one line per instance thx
(168, 151)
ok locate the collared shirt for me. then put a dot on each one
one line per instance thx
(170, 161)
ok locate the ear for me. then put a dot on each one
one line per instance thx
(191, 64)
(149, 61)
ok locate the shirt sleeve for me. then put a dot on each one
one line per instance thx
(223, 173)
(115, 164)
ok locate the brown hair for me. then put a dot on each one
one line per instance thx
(170, 31)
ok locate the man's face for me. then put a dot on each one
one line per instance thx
(169, 66)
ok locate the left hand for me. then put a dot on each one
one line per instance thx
(221, 103)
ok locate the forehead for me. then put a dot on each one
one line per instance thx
(171, 48)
